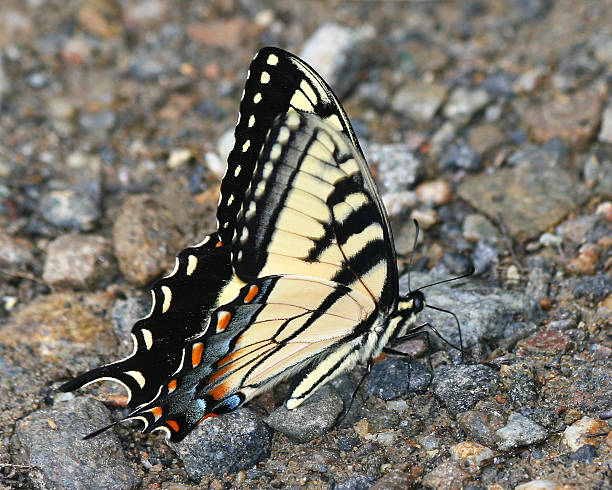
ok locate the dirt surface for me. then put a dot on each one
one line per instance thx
(488, 122)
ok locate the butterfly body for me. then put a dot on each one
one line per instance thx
(300, 280)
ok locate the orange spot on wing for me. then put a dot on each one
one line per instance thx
(219, 244)
(173, 424)
(251, 294)
(380, 358)
(219, 392)
(196, 353)
(172, 385)
(208, 416)
(157, 412)
(223, 322)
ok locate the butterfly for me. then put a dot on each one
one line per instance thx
(299, 280)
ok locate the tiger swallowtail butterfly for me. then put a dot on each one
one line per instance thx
(300, 279)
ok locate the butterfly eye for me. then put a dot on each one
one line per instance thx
(418, 301)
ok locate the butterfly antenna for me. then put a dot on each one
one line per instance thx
(416, 237)
(99, 431)
(467, 274)
(460, 349)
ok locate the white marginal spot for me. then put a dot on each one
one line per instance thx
(238, 121)
(248, 74)
(246, 145)
(219, 202)
(242, 96)
(245, 235)
(251, 121)
(203, 242)
(293, 121)
(176, 267)
(267, 170)
(226, 224)
(152, 305)
(257, 98)
(283, 135)
(230, 200)
(167, 298)
(148, 338)
(260, 189)
(276, 151)
(192, 262)
(137, 375)
(265, 77)
(272, 60)
(237, 170)
(181, 364)
(252, 208)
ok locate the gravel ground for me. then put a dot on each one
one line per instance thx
(489, 122)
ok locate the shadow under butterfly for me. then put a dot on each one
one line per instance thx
(299, 280)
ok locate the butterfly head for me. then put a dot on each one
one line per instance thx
(408, 308)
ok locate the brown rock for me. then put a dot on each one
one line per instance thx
(78, 261)
(573, 118)
(545, 341)
(446, 476)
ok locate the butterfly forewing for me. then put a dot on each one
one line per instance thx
(277, 82)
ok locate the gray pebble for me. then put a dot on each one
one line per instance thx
(519, 431)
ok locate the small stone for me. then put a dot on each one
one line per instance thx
(430, 443)
(544, 341)
(499, 84)
(446, 476)
(485, 137)
(442, 137)
(461, 156)
(101, 18)
(550, 240)
(69, 209)
(361, 428)
(426, 218)
(53, 455)
(61, 108)
(78, 261)
(585, 454)
(395, 480)
(419, 101)
(146, 234)
(178, 157)
(228, 444)
(529, 80)
(396, 166)
(513, 276)
(541, 485)
(15, 250)
(459, 388)
(333, 51)
(219, 32)
(98, 121)
(481, 424)
(572, 118)
(463, 103)
(518, 380)
(472, 452)
(434, 191)
(585, 431)
(313, 418)
(605, 132)
(395, 377)
(519, 431)
(477, 227)
(594, 287)
(586, 262)
(530, 198)
(396, 203)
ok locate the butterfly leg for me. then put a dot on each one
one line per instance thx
(350, 405)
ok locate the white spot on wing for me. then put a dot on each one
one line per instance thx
(237, 170)
(192, 262)
(272, 60)
(251, 121)
(137, 375)
(265, 77)
(148, 338)
(246, 145)
(257, 98)
(167, 298)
